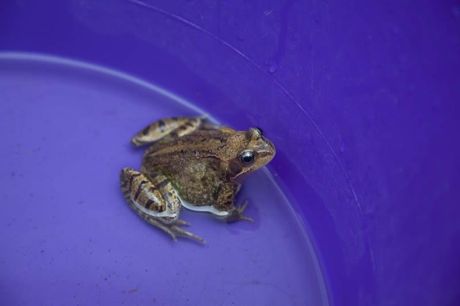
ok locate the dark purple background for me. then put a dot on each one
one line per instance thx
(361, 98)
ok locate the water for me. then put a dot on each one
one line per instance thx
(68, 237)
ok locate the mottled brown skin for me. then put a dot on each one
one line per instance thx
(200, 166)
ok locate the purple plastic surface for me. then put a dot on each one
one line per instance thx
(361, 99)
(69, 125)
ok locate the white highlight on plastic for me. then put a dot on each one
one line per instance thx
(43, 58)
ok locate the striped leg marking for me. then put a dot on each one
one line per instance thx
(176, 126)
(156, 201)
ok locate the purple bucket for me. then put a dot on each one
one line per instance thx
(359, 207)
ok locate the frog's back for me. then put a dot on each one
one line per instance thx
(208, 142)
(193, 163)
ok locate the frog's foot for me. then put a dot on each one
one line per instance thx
(236, 214)
(175, 126)
(174, 230)
(178, 231)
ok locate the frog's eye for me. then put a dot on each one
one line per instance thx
(247, 157)
(261, 132)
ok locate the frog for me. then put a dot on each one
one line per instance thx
(196, 164)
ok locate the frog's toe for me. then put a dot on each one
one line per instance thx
(186, 234)
(241, 209)
(181, 222)
(239, 217)
(246, 218)
(237, 214)
(172, 235)
(162, 226)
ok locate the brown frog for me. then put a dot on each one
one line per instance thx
(196, 164)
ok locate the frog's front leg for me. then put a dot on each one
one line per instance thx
(175, 126)
(156, 201)
(226, 203)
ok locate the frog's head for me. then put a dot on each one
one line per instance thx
(254, 151)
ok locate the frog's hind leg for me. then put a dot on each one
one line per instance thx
(175, 126)
(156, 201)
